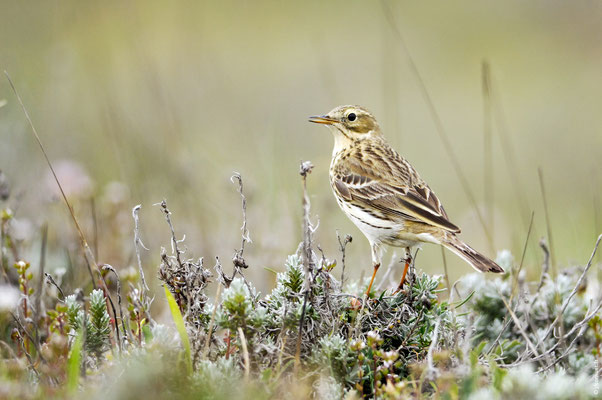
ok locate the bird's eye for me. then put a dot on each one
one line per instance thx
(351, 117)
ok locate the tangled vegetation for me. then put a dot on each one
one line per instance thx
(314, 335)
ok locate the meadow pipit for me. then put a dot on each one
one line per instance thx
(383, 194)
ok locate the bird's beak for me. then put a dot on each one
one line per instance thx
(323, 119)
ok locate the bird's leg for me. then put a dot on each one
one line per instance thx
(412, 270)
(408, 261)
(376, 263)
(376, 266)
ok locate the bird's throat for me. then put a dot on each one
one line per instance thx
(341, 142)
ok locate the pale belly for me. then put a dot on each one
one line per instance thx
(379, 231)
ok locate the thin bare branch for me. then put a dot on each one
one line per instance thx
(305, 170)
(342, 248)
(236, 178)
(51, 280)
(519, 326)
(238, 259)
(573, 292)
(137, 244)
(224, 279)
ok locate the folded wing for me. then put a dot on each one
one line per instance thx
(393, 187)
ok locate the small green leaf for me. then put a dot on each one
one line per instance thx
(148, 335)
(497, 374)
(474, 354)
(480, 347)
(179, 321)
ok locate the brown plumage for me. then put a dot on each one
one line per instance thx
(384, 195)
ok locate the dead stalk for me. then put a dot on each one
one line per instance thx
(342, 248)
(137, 244)
(90, 260)
(245, 353)
(305, 170)
(548, 222)
(522, 259)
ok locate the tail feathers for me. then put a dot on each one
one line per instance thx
(471, 256)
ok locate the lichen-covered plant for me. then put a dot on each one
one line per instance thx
(541, 323)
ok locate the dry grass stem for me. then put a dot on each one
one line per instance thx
(89, 257)
(245, 353)
(522, 259)
(443, 136)
(548, 222)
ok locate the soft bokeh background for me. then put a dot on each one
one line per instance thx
(138, 101)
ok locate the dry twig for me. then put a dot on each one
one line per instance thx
(50, 280)
(137, 244)
(305, 170)
(573, 292)
(343, 247)
(107, 267)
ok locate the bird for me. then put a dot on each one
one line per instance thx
(384, 196)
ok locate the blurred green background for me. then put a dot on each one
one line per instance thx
(138, 101)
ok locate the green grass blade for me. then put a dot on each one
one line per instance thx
(460, 304)
(272, 270)
(179, 321)
(74, 362)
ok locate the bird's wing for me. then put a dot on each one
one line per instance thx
(378, 177)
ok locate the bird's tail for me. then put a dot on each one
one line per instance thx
(470, 255)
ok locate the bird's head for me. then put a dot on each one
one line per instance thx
(349, 124)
